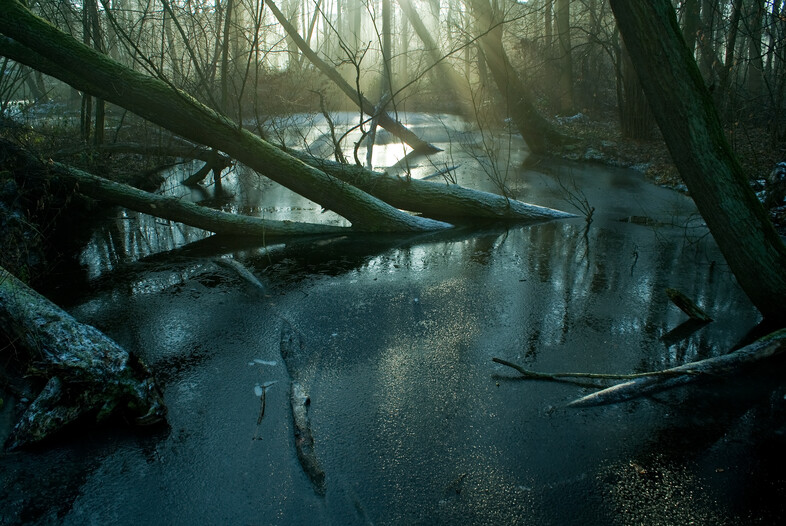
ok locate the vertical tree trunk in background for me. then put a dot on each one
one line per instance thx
(691, 23)
(86, 114)
(537, 131)
(708, 61)
(98, 43)
(566, 60)
(687, 118)
(387, 49)
(755, 71)
(228, 13)
(548, 15)
(722, 93)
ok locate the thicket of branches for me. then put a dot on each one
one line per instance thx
(235, 57)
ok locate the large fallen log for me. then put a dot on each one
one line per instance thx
(165, 207)
(432, 199)
(85, 371)
(183, 212)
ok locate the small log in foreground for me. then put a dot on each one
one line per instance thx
(86, 371)
(293, 355)
(719, 366)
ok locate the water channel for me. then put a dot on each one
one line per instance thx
(413, 423)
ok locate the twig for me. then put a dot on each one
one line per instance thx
(533, 375)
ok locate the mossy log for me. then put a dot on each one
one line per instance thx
(86, 372)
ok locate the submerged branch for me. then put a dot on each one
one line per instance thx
(534, 375)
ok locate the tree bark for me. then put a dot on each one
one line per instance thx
(384, 120)
(84, 68)
(86, 371)
(687, 118)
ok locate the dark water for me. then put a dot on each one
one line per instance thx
(413, 422)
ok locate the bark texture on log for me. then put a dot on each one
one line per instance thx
(86, 371)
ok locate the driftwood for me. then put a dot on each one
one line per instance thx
(292, 354)
(687, 305)
(85, 371)
(644, 384)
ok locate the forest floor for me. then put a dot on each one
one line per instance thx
(602, 141)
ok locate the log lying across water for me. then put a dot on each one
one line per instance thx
(430, 198)
(87, 373)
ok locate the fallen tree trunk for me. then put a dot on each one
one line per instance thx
(86, 371)
(719, 366)
(40, 45)
(183, 212)
(383, 119)
(432, 199)
(171, 208)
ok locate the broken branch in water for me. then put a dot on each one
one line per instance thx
(533, 375)
(643, 384)
(687, 305)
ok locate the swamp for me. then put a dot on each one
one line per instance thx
(392, 262)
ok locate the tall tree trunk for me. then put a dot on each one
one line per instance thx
(98, 43)
(708, 58)
(86, 114)
(691, 23)
(687, 118)
(729, 57)
(566, 57)
(548, 16)
(755, 71)
(536, 130)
